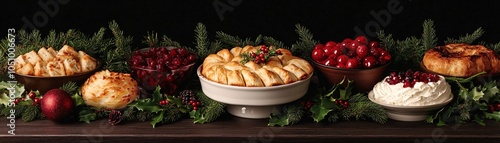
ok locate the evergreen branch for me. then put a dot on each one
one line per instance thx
(305, 44)
(232, 41)
(211, 111)
(151, 39)
(166, 41)
(70, 87)
(429, 39)
(202, 42)
(386, 41)
(468, 38)
(363, 108)
(273, 42)
(30, 113)
(495, 47)
(116, 58)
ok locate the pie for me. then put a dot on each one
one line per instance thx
(226, 67)
(461, 60)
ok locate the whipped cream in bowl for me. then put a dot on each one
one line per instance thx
(411, 103)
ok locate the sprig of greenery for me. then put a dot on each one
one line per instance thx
(468, 38)
(306, 43)
(211, 109)
(116, 57)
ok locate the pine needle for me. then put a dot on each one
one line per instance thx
(468, 38)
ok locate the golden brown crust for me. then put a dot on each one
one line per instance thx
(461, 60)
(225, 67)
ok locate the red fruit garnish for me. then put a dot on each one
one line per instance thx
(330, 44)
(340, 65)
(362, 40)
(370, 62)
(362, 51)
(318, 55)
(374, 44)
(342, 59)
(352, 63)
(330, 62)
(319, 46)
(328, 50)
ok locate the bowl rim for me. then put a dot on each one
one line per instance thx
(346, 69)
(423, 68)
(201, 77)
(446, 102)
(129, 57)
(98, 67)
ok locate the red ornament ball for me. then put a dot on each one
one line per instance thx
(56, 104)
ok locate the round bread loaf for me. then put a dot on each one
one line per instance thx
(111, 90)
(461, 60)
(225, 67)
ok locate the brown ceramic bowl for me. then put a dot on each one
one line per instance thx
(364, 79)
(44, 84)
(480, 78)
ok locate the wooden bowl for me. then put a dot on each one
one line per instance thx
(364, 79)
(44, 84)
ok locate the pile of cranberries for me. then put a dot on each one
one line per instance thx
(351, 54)
(410, 78)
(162, 66)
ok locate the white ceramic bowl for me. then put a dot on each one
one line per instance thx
(253, 102)
(409, 113)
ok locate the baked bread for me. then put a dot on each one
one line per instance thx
(461, 60)
(49, 62)
(225, 67)
(111, 90)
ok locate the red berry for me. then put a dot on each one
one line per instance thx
(374, 52)
(330, 44)
(328, 51)
(362, 51)
(498, 106)
(319, 46)
(342, 59)
(354, 45)
(352, 63)
(347, 40)
(340, 65)
(370, 62)
(337, 51)
(345, 105)
(278, 52)
(32, 95)
(406, 84)
(318, 55)
(195, 108)
(374, 44)
(183, 52)
(362, 40)
(330, 62)
(173, 53)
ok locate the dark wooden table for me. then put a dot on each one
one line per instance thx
(239, 130)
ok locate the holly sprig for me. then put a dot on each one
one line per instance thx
(473, 103)
(337, 103)
(262, 55)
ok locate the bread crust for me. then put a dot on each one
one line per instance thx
(225, 67)
(461, 60)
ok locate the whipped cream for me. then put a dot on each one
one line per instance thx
(421, 94)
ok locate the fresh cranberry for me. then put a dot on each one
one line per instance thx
(330, 44)
(330, 62)
(352, 63)
(319, 46)
(374, 52)
(370, 62)
(328, 50)
(342, 59)
(374, 44)
(340, 65)
(318, 55)
(362, 51)
(362, 40)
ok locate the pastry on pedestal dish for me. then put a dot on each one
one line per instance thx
(461, 60)
(230, 67)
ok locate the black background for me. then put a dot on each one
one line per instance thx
(327, 19)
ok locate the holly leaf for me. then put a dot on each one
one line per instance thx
(146, 105)
(6, 89)
(276, 120)
(490, 91)
(463, 94)
(87, 115)
(494, 115)
(476, 94)
(157, 97)
(321, 109)
(157, 119)
(479, 120)
(198, 118)
(77, 99)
